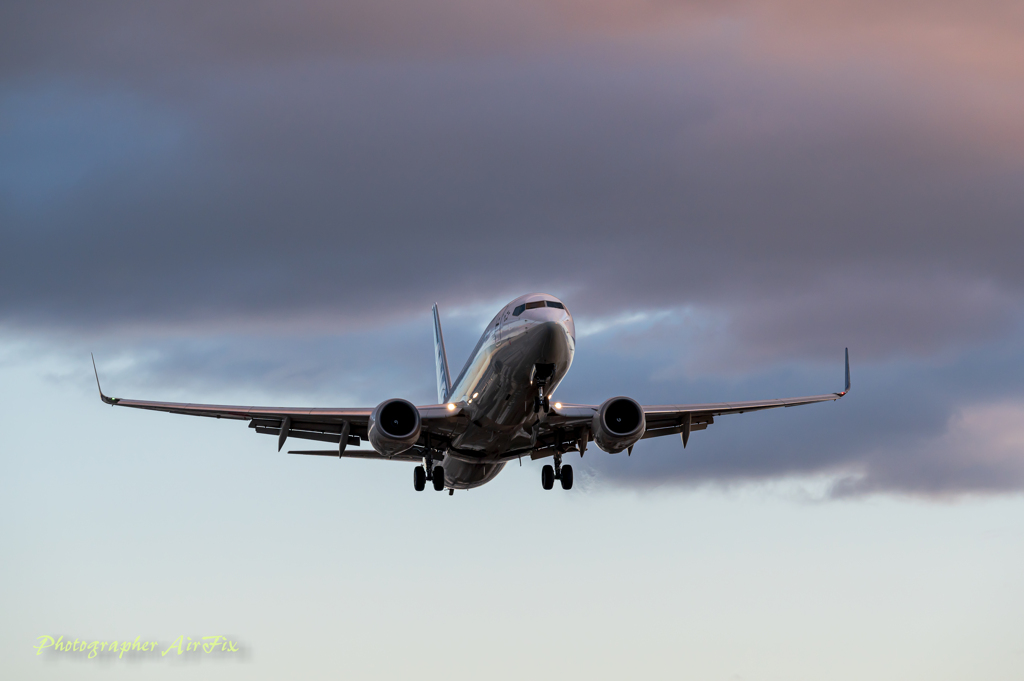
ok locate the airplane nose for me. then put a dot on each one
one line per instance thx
(553, 340)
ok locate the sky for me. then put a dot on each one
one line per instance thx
(259, 202)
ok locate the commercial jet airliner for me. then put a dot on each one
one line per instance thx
(497, 410)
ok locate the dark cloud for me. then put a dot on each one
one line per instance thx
(939, 427)
(275, 195)
(780, 180)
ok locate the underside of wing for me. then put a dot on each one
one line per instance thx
(674, 419)
(414, 455)
(318, 424)
(570, 423)
(565, 428)
(681, 419)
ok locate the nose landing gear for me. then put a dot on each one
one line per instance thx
(549, 474)
(542, 373)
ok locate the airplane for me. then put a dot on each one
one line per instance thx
(497, 410)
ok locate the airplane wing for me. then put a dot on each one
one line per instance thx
(676, 419)
(324, 425)
(569, 422)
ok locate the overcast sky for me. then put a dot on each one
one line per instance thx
(722, 193)
(259, 202)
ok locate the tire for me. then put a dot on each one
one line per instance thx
(567, 477)
(547, 477)
(419, 478)
(438, 478)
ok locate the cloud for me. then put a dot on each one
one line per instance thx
(940, 428)
(274, 196)
(978, 451)
(718, 191)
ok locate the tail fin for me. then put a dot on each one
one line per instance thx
(444, 379)
(847, 388)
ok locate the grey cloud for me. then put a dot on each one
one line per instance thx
(246, 190)
(920, 315)
(117, 34)
(274, 196)
(900, 430)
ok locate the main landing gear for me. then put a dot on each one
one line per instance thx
(428, 471)
(549, 474)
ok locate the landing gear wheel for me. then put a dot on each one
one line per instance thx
(438, 479)
(545, 405)
(537, 404)
(419, 478)
(567, 477)
(547, 477)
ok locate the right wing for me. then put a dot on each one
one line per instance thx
(324, 425)
(681, 419)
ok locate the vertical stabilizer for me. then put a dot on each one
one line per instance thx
(444, 380)
(847, 388)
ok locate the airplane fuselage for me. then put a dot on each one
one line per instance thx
(522, 357)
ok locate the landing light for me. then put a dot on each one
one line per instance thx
(451, 407)
(474, 395)
(558, 405)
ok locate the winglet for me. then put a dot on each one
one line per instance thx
(847, 388)
(108, 400)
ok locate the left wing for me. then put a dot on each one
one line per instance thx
(343, 427)
(571, 422)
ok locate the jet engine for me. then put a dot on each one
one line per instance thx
(618, 424)
(394, 427)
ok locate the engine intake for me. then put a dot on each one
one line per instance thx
(394, 427)
(618, 424)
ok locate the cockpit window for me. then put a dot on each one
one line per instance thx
(535, 304)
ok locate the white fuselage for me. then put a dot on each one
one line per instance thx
(525, 351)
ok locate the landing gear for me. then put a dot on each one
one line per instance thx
(549, 474)
(541, 374)
(428, 471)
(547, 477)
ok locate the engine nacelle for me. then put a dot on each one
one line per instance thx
(394, 427)
(618, 424)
